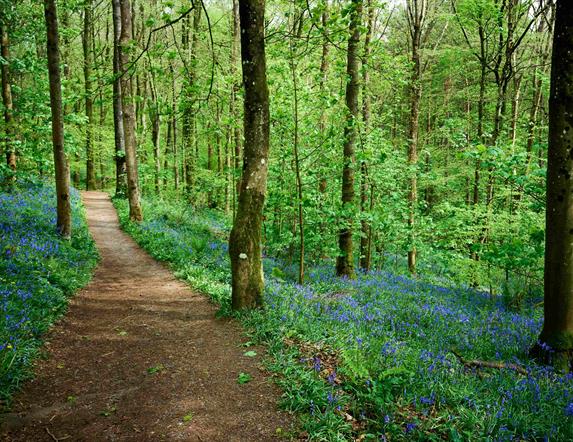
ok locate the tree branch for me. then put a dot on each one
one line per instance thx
(476, 363)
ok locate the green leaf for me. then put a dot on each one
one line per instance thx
(188, 417)
(155, 369)
(243, 378)
(250, 353)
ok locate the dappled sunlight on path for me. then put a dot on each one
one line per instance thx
(140, 356)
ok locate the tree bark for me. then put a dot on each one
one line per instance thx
(366, 230)
(557, 329)
(155, 129)
(416, 13)
(119, 136)
(135, 213)
(515, 102)
(62, 172)
(190, 125)
(235, 87)
(245, 240)
(88, 62)
(174, 128)
(297, 27)
(9, 149)
(345, 259)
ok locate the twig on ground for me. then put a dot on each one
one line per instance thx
(489, 364)
(57, 439)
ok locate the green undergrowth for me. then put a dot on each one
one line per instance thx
(38, 274)
(376, 358)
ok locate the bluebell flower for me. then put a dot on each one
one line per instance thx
(410, 426)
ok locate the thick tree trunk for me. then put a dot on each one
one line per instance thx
(9, 149)
(558, 306)
(345, 259)
(88, 62)
(245, 239)
(120, 172)
(135, 213)
(62, 172)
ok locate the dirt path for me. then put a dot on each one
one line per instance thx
(141, 357)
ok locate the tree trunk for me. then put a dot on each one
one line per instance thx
(218, 138)
(9, 149)
(323, 69)
(235, 87)
(557, 329)
(294, 76)
(322, 181)
(167, 151)
(62, 172)
(228, 171)
(88, 62)
(155, 129)
(135, 213)
(120, 178)
(365, 234)
(174, 128)
(515, 109)
(190, 125)
(65, 50)
(155, 126)
(417, 15)
(245, 240)
(345, 259)
(538, 82)
(481, 111)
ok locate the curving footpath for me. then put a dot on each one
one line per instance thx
(140, 356)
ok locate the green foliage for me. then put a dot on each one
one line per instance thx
(244, 378)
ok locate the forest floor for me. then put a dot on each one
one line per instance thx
(140, 356)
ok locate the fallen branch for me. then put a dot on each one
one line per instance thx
(489, 364)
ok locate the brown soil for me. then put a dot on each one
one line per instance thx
(140, 356)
